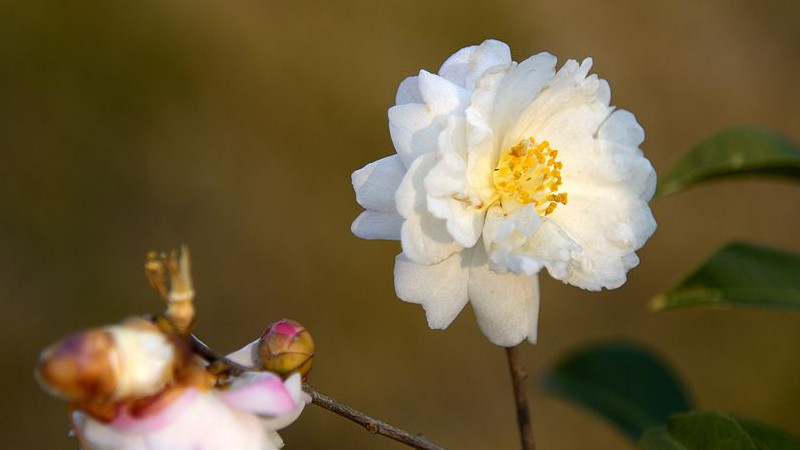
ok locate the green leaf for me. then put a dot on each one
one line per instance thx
(739, 275)
(625, 384)
(712, 430)
(768, 437)
(734, 152)
(704, 430)
(659, 439)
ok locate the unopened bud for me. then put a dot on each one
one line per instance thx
(123, 361)
(286, 347)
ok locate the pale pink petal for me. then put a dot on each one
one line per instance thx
(293, 386)
(262, 393)
(205, 423)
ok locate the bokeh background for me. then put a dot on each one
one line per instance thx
(234, 126)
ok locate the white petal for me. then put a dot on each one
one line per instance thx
(462, 221)
(447, 176)
(523, 243)
(377, 225)
(448, 195)
(468, 64)
(619, 158)
(608, 228)
(552, 245)
(410, 196)
(506, 306)
(482, 156)
(622, 167)
(440, 95)
(246, 355)
(376, 183)
(414, 130)
(275, 439)
(572, 131)
(415, 127)
(408, 92)
(425, 238)
(519, 88)
(622, 128)
(567, 90)
(441, 288)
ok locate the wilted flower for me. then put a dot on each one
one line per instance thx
(503, 169)
(242, 417)
(118, 362)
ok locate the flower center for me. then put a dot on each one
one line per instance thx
(530, 173)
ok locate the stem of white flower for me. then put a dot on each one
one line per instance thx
(518, 377)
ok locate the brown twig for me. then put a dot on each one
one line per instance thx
(372, 425)
(518, 377)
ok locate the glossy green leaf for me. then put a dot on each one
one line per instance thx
(705, 430)
(712, 430)
(627, 385)
(768, 437)
(739, 275)
(734, 152)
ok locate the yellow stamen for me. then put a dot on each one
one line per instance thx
(530, 173)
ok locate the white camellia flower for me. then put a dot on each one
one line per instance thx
(503, 169)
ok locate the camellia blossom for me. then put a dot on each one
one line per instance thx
(502, 169)
(242, 417)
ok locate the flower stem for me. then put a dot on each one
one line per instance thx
(372, 425)
(518, 377)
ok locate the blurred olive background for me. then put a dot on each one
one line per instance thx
(234, 126)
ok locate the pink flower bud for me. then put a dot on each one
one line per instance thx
(286, 347)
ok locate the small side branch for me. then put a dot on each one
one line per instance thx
(200, 348)
(372, 425)
(518, 377)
